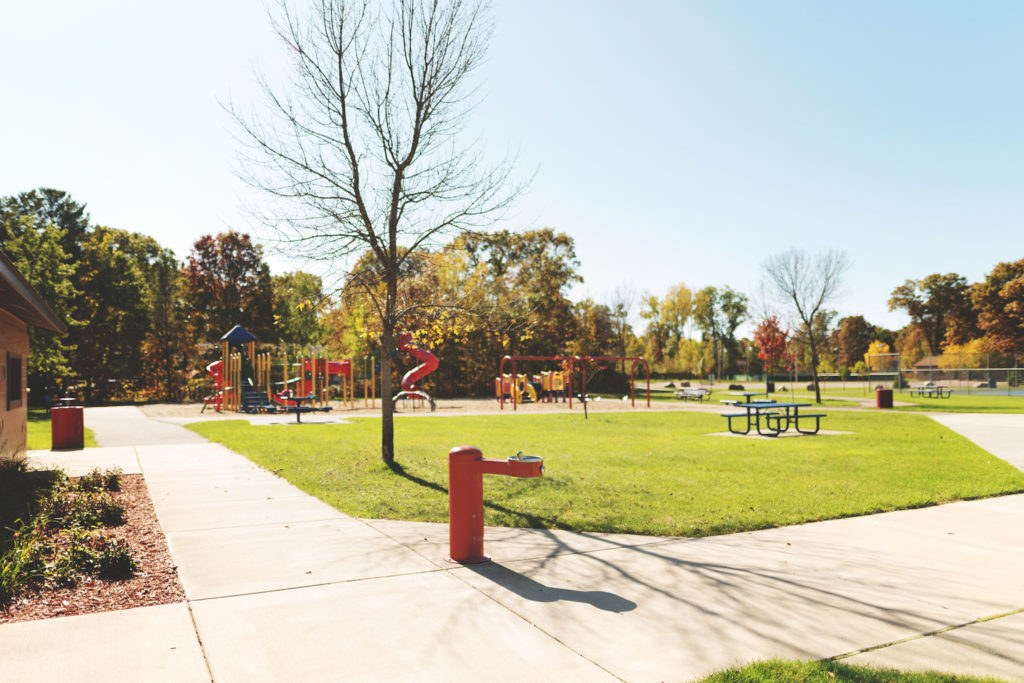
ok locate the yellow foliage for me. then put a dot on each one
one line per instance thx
(871, 357)
(973, 354)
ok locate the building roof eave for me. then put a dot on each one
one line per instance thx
(19, 299)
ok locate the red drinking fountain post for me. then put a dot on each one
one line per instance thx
(466, 467)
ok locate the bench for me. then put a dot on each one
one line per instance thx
(795, 421)
(692, 394)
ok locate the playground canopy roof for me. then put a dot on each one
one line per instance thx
(19, 298)
(238, 335)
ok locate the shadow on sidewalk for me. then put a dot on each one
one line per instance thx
(527, 588)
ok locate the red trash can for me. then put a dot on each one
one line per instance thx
(67, 428)
(883, 398)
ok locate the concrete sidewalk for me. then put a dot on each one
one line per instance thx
(1001, 435)
(282, 587)
(129, 426)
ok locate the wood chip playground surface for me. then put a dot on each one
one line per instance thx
(459, 406)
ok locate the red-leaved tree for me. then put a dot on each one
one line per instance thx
(773, 344)
(228, 283)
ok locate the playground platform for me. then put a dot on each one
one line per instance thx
(282, 587)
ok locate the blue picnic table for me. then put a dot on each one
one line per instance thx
(778, 417)
(931, 391)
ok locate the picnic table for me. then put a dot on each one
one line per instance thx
(748, 395)
(298, 409)
(778, 417)
(693, 394)
(930, 391)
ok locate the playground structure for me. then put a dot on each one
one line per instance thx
(409, 381)
(243, 379)
(567, 363)
(549, 386)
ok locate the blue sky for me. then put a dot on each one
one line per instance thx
(675, 141)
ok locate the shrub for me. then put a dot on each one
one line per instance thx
(116, 561)
(56, 544)
(20, 563)
(68, 508)
(95, 480)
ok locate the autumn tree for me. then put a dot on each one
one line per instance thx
(773, 345)
(594, 333)
(227, 284)
(364, 154)
(717, 313)
(299, 304)
(824, 332)
(675, 310)
(911, 343)
(940, 305)
(528, 276)
(851, 338)
(804, 285)
(874, 357)
(999, 302)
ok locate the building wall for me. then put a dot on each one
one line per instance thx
(13, 421)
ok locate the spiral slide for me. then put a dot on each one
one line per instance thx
(411, 378)
(428, 365)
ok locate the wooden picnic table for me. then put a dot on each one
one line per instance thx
(778, 417)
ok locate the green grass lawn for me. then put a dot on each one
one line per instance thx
(643, 472)
(959, 402)
(660, 393)
(833, 672)
(39, 431)
(962, 403)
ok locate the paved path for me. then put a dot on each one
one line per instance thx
(282, 587)
(1000, 435)
(129, 426)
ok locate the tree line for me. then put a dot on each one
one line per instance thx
(142, 324)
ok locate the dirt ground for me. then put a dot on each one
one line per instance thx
(459, 406)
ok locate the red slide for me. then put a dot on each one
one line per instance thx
(428, 365)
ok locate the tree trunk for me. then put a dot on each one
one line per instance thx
(814, 369)
(387, 346)
(387, 406)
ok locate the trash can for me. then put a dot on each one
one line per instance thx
(770, 387)
(67, 429)
(883, 398)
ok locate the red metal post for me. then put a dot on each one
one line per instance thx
(632, 372)
(515, 385)
(501, 382)
(466, 468)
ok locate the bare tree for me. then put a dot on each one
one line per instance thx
(620, 304)
(804, 284)
(360, 156)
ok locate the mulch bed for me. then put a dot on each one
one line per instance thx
(155, 581)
